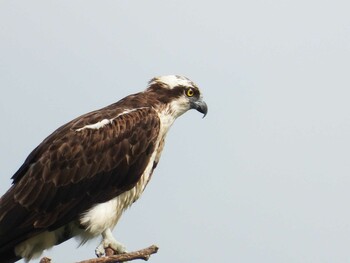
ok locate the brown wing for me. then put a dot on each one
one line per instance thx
(75, 168)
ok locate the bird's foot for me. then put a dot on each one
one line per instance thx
(109, 242)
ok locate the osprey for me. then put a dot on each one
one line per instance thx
(81, 178)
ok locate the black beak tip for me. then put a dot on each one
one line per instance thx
(203, 108)
(200, 106)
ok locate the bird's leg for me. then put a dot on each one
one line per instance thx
(108, 241)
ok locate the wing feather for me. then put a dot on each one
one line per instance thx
(74, 168)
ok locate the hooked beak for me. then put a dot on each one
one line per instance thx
(200, 106)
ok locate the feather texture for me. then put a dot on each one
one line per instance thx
(81, 178)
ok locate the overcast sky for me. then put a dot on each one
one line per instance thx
(263, 178)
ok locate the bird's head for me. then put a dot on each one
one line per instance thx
(178, 93)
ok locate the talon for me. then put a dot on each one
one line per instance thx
(109, 241)
(100, 250)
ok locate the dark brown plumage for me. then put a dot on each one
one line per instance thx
(80, 165)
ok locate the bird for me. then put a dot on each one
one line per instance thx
(80, 179)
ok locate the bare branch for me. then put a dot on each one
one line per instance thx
(140, 254)
(45, 260)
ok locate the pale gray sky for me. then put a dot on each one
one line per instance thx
(263, 178)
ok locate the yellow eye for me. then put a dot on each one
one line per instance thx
(189, 92)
